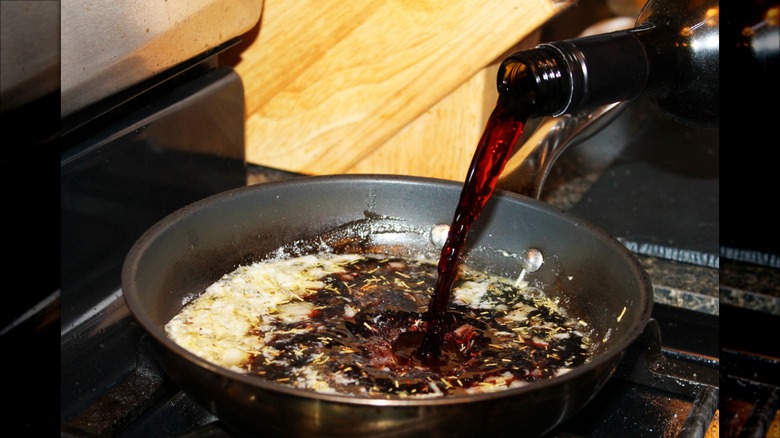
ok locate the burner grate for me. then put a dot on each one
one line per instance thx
(750, 376)
(656, 392)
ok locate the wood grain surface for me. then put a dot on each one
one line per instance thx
(377, 86)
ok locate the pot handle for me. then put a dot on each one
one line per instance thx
(527, 169)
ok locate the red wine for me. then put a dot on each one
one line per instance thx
(503, 129)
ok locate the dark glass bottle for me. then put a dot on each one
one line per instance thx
(671, 55)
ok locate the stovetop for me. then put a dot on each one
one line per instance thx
(668, 385)
(116, 186)
(118, 180)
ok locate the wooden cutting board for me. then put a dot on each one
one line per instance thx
(377, 86)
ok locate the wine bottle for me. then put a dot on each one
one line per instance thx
(671, 55)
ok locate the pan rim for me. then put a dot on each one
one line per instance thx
(611, 355)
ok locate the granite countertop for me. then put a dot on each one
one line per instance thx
(750, 286)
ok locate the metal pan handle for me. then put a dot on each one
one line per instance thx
(527, 170)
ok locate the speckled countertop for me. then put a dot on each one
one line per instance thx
(750, 286)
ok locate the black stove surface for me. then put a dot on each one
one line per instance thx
(660, 196)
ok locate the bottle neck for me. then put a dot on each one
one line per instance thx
(581, 73)
(672, 56)
(539, 78)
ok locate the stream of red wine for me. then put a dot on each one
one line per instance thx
(502, 131)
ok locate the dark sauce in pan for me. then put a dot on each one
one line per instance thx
(364, 325)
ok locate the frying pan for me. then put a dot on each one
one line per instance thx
(594, 276)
